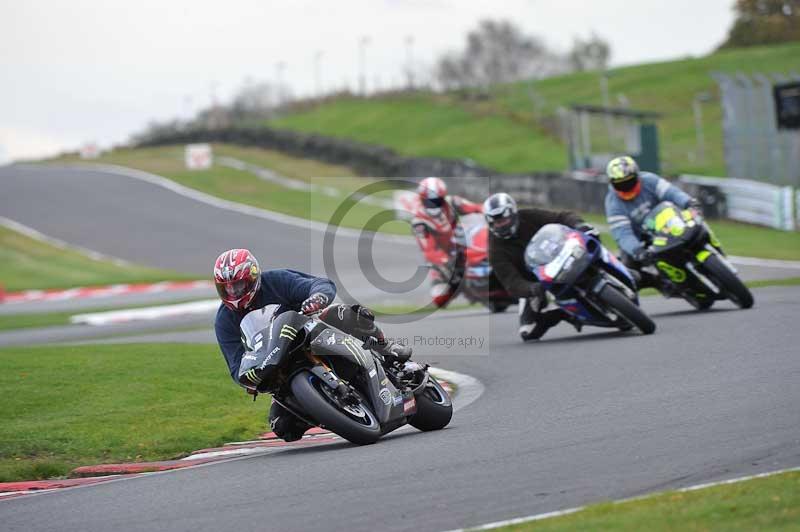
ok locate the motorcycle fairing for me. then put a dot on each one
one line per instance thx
(382, 394)
(268, 341)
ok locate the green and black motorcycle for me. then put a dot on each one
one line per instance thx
(690, 260)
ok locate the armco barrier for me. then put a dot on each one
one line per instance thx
(797, 208)
(749, 201)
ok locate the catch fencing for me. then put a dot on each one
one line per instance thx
(755, 147)
(746, 200)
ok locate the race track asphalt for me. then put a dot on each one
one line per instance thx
(572, 419)
(146, 224)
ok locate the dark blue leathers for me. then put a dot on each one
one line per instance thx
(287, 288)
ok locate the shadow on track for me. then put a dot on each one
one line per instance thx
(344, 445)
(584, 337)
(690, 311)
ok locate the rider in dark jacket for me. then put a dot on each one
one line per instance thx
(243, 287)
(511, 230)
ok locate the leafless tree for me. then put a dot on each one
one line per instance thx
(497, 51)
(254, 100)
(593, 53)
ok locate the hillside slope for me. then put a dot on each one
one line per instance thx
(501, 132)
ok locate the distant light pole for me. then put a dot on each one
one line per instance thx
(362, 64)
(697, 106)
(280, 66)
(318, 73)
(606, 102)
(214, 119)
(604, 88)
(187, 106)
(410, 62)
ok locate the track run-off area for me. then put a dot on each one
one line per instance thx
(569, 420)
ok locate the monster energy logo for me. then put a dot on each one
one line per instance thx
(355, 351)
(289, 332)
(252, 377)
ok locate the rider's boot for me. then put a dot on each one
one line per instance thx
(286, 425)
(532, 324)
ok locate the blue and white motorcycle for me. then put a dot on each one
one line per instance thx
(587, 281)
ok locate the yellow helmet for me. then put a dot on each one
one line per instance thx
(623, 174)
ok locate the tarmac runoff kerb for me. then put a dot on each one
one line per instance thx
(206, 306)
(95, 292)
(467, 389)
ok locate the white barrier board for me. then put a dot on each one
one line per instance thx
(198, 156)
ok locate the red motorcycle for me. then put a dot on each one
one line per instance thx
(439, 243)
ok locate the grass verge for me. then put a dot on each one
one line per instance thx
(27, 264)
(768, 503)
(67, 406)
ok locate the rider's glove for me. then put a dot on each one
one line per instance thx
(644, 255)
(459, 238)
(314, 303)
(459, 266)
(538, 297)
(588, 229)
(363, 313)
(695, 206)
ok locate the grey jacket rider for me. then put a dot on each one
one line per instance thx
(625, 216)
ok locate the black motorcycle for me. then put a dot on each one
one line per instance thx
(689, 259)
(330, 379)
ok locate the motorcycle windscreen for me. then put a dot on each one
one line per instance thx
(546, 244)
(665, 219)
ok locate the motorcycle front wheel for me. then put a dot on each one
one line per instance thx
(354, 422)
(434, 407)
(730, 283)
(626, 309)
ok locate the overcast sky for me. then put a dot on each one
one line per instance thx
(99, 70)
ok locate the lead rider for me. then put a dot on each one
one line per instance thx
(631, 195)
(243, 287)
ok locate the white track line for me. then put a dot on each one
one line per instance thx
(296, 184)
(765, 263)
(547, 515)
(240, 208)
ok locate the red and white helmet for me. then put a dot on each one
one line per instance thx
(237, 277)
(432, 192)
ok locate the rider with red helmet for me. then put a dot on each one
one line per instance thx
(436, 226)
(243, 287)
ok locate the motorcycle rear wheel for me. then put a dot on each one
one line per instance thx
(358, 425)
(434, 408)
(734, 288)
(627, 309)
